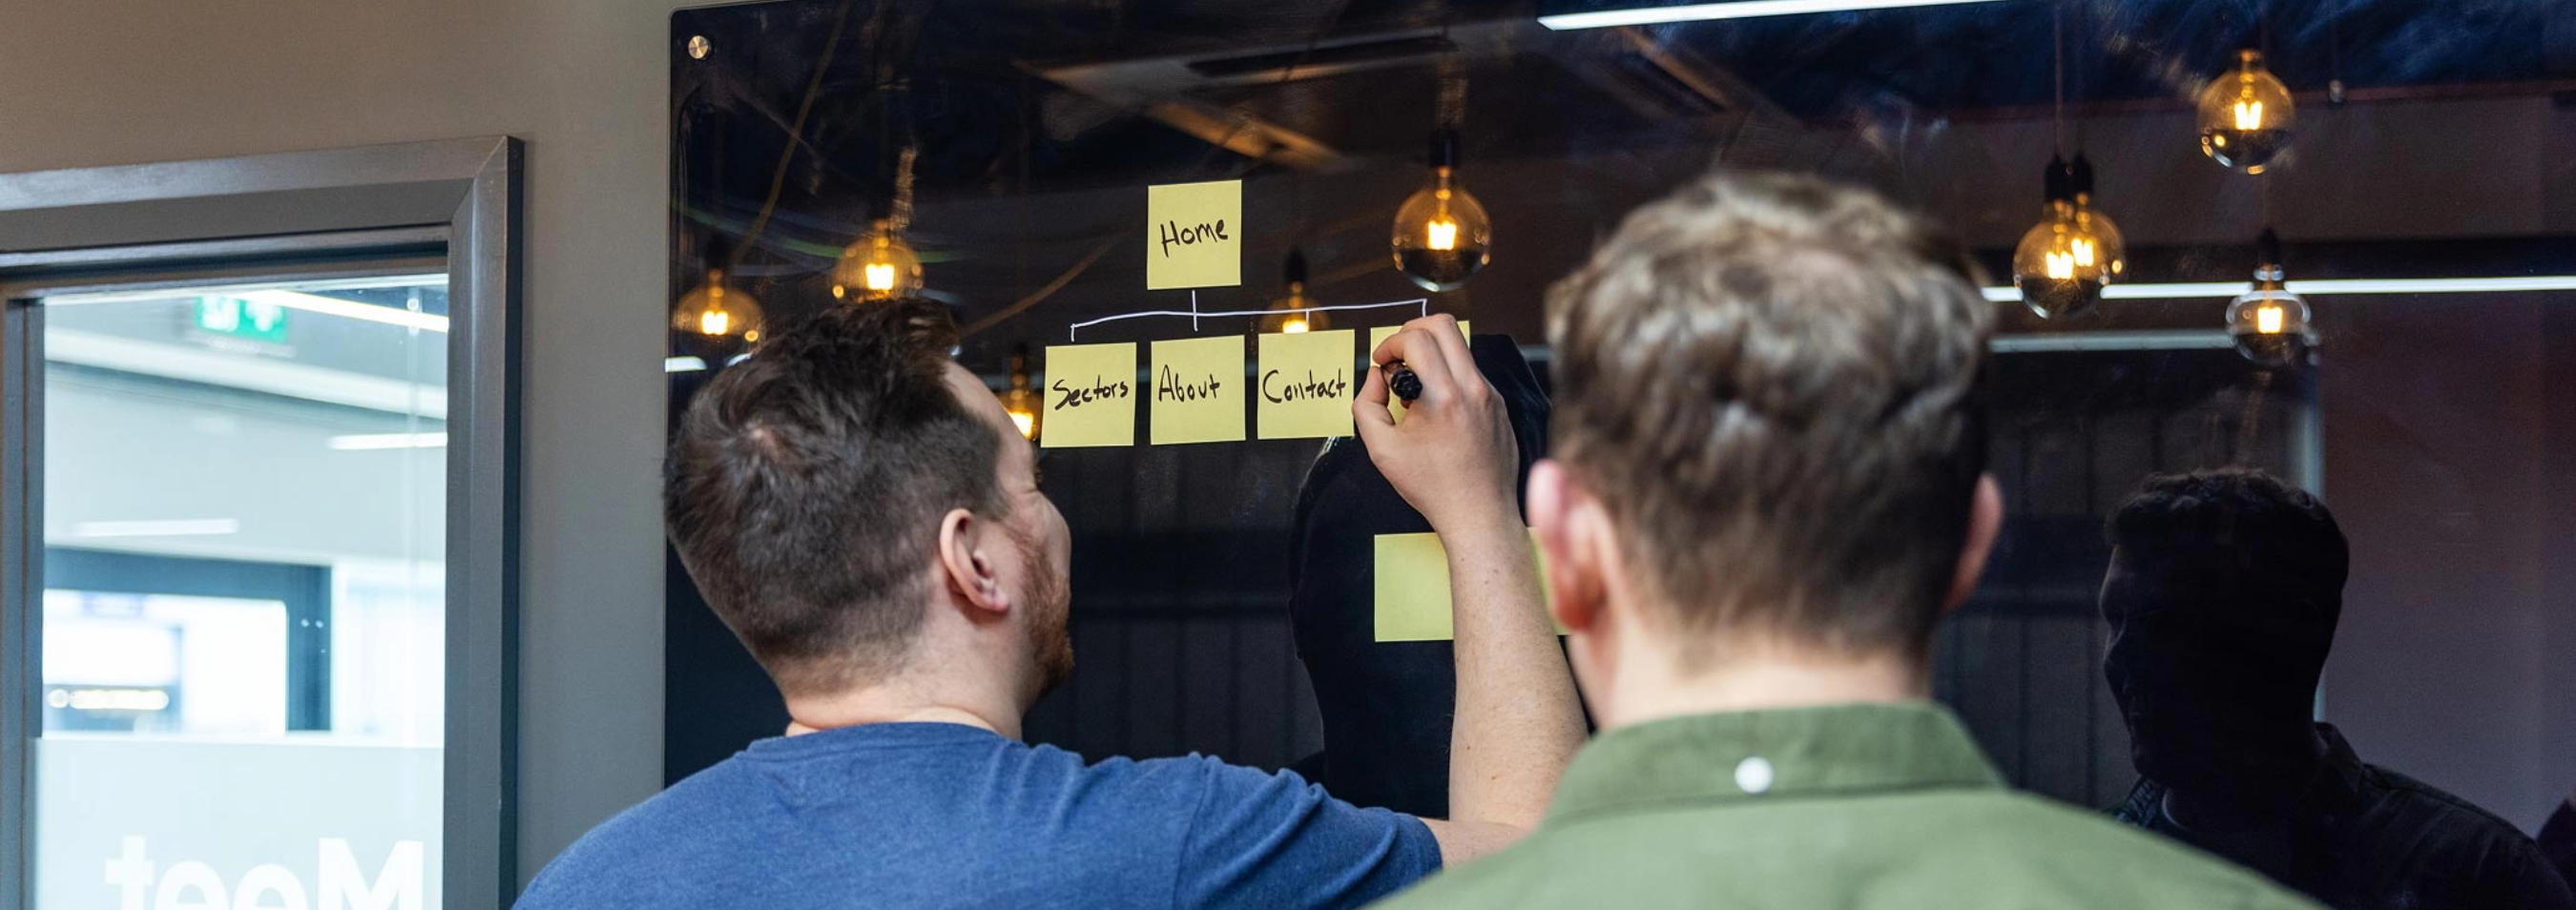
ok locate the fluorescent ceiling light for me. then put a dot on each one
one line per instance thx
(351, 309)
(370, 442)
(1740, 9)
(682, 364)
(2325, 287)
(168, 527)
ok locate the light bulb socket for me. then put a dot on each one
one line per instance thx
(1294, 272)
(2079, 176)
(1444, 149)
(2267, 254)
(2058, 184)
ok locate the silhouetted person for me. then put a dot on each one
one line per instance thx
(2558, 840)
(2222, 596)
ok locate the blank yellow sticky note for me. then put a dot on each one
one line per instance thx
(1197, 390)
(1379, 335)
(1194, 235)
(1306, 385)
(1412, 572)
(1090, 396)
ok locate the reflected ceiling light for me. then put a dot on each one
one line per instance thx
(1739, 9)
(1023, 403)
(1442, 237)
(683, 364)
(2328, 286)
(2245, 116)
(880, 265)
(1294, 313)
(166, 527)
(717, 309)
(349, 309)
(2269, 323)
(370, 442)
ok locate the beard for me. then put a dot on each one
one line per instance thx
(1050, 614)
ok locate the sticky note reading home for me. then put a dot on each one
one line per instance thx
(1090, 396)
(1194, 235)
(1306, 385)
(1198, 390)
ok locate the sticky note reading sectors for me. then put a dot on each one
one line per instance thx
(1194, 235)
(1198, 390)
(1090, 396)
(1412, 572)
(1306, 385)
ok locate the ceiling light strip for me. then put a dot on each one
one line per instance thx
(350, 309)
(2323, 287)
(1740, 9)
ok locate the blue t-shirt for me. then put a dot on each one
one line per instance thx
(946, 815)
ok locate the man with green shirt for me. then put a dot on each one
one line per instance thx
(1768, 483)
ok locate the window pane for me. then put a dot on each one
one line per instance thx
(243, 632)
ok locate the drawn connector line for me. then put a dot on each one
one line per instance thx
(1071, 334)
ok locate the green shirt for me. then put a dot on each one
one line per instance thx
(1852, 806)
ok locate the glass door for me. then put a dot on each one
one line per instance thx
(242, 655)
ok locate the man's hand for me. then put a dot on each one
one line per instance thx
(1453, 458)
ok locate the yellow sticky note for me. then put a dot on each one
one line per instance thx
(1412, 572)
(1198, 390)
(1090, 396)
(1306, 385)
(1194, 235)
(1379, 335)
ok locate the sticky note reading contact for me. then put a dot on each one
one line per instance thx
(1412, 572)
(1090, 396)
(1306, 384)
(1198, 390)
(1194, 235)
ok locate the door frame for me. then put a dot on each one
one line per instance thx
(141, 225)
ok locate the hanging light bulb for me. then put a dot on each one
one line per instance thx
(1023, 403)
(877, 266)
(2268, 323)
(1294, 313)
(2062, 263)
(2113, 246)
(717, 309)
(1442, 237)
(2246, 116)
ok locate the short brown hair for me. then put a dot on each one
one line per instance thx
(805, 485)
(1777, 386)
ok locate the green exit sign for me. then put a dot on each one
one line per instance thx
(239, 318)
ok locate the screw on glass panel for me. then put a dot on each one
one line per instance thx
(699, 46)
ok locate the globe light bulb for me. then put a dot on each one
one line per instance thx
(1293, 313)
(2269, 323)
(717, 309)
(2246, 116)
(877, 266)
(1020, 401)
(2063, 262)
(1442, 237)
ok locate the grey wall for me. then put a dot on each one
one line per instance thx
(585, 83)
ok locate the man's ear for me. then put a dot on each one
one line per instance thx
(1985, 523)
(1560, 513)
(970, 571)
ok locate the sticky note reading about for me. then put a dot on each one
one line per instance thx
(1412, 573)
(1090, 396)
(1379, 335)
(1194, 235)
(1198, 390)
(1306, 385)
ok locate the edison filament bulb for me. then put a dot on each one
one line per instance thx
(877, 266)
(2246, 116)
(1442, 237)
(2063, 262)
(717, 309)
(1294, 313)
(2269, 323)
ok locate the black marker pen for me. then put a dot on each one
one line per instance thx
(1401, 381)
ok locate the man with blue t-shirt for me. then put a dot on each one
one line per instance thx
(861, 513)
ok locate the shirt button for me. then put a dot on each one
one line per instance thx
(1753, 774)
